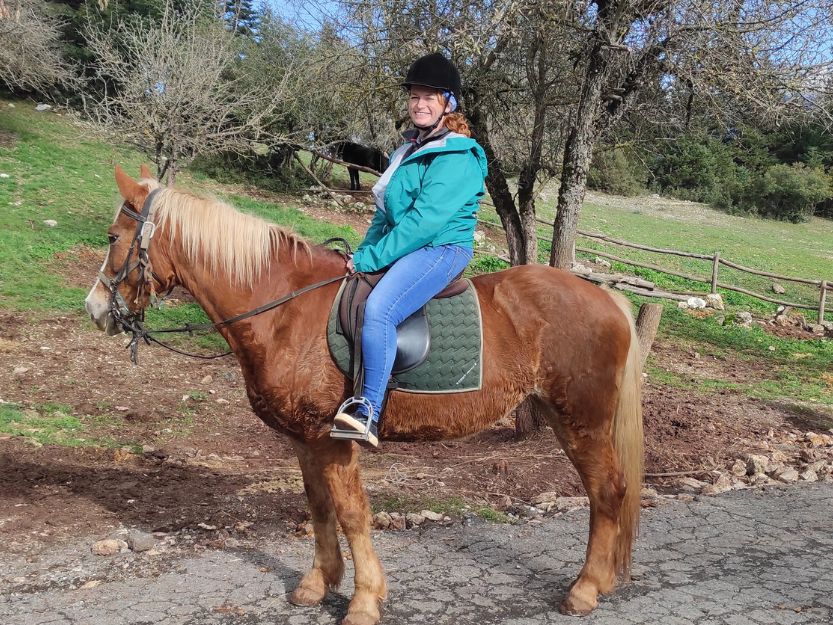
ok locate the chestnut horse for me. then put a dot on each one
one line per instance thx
(565, 346)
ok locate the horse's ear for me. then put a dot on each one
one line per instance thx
(144, 172)
(130, 190)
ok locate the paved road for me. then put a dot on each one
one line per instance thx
(746, 557)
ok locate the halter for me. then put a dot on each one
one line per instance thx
(133, 322)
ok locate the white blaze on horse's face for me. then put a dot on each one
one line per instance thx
(97, 304)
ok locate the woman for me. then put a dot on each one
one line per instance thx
(423, 229)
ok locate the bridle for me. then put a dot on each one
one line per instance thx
(133, 322)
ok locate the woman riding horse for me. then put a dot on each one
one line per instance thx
(422, 234)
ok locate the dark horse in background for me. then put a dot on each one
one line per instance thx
(361, 155)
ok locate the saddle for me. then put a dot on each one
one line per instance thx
(413, 338)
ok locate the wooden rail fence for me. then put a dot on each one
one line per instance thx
(716, 261)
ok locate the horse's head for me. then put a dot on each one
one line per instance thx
(133, 269)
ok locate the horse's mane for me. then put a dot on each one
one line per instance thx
(240, 246)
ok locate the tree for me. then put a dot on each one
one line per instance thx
(174, 87)
(30, 53)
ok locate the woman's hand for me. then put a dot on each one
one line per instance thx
(351, 269)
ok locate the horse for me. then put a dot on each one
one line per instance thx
(361, 155)
(566, 347)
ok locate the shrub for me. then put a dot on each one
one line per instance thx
(613, 172)
(792, 192)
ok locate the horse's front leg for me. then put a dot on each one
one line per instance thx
(328, 565)
(339, 462)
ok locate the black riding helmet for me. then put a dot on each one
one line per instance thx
(435, 71)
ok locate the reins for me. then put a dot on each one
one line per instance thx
(134, 322)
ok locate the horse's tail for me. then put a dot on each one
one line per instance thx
(628, 441)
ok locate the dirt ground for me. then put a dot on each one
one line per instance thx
(208, 465)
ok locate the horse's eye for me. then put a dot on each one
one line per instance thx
(112, 238)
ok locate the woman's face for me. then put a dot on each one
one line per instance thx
(425, 106)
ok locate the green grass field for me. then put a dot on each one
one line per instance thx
(55, 169)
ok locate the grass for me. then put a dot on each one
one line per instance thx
(54, 424)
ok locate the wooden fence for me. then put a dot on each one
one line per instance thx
(716, 261)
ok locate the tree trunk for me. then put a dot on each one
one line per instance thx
(528, 418)
(647, 324)
(577, 155)
(500, 193)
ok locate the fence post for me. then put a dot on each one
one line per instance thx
(822, 298)
(715, 265)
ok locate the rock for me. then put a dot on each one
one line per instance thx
(11, 106)
(50, 223)
(123, 454)
(430, 515)
(815, 328)
(20, 370)
(548, 497)
(715, 300)
(580, 269)
(42, 108)
(140, 541)
(4, 175)
(809, 476)
(788, 475)
(413, 519)
(381, 521)
(817, 440)
(756, 464)
(762, 480)
(682, 305)
(479, 237)
(778, 456)
(602, 262)
(690, 485)
(722, 485)
(739, 468)
(207, 380)
(397, 521)
(744, 317)
(696, 302)
(564, 504)
(777, 288)
(648, 493)
(503, 502)
(108, 547)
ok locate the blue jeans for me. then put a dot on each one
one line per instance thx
(407, 286)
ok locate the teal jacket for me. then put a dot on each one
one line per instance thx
(430, 200)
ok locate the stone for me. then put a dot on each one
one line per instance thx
(571, 503)
(756, 464)
(739, 468)
(414, 520)
(817, 440)
(777, 288)
(788, 475)
(744, 317)
(42, 108)
(648, 492)
(397, 521)
(11, 106)
(4, 175)
(51, 223)
(778, 456)
(721, 485)
(503, 502)
(761, 479)
(696, 302)
(815, 328)
(108, 547)
(682, 305)
(547, 497)
(139, 541)
(809, 476)
(430, 515)
(580, 269)
(602, 262)
(690, 485)
(207, 380)
(381, 521)
(20, 370)
(715, 300)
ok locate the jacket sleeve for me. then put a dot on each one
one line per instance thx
(452, 182)
(374, 232)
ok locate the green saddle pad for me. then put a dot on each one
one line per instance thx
(455, 361)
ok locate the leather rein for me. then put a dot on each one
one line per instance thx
(133, 322)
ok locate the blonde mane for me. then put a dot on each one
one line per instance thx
(238, 245)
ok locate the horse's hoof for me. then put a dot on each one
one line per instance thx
(575, 606)
(303, 596)
(360, 618)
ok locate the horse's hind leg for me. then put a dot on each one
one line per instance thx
(328, 565)
(585, 432)
(339, 462)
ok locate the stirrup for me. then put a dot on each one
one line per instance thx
(350, 434)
